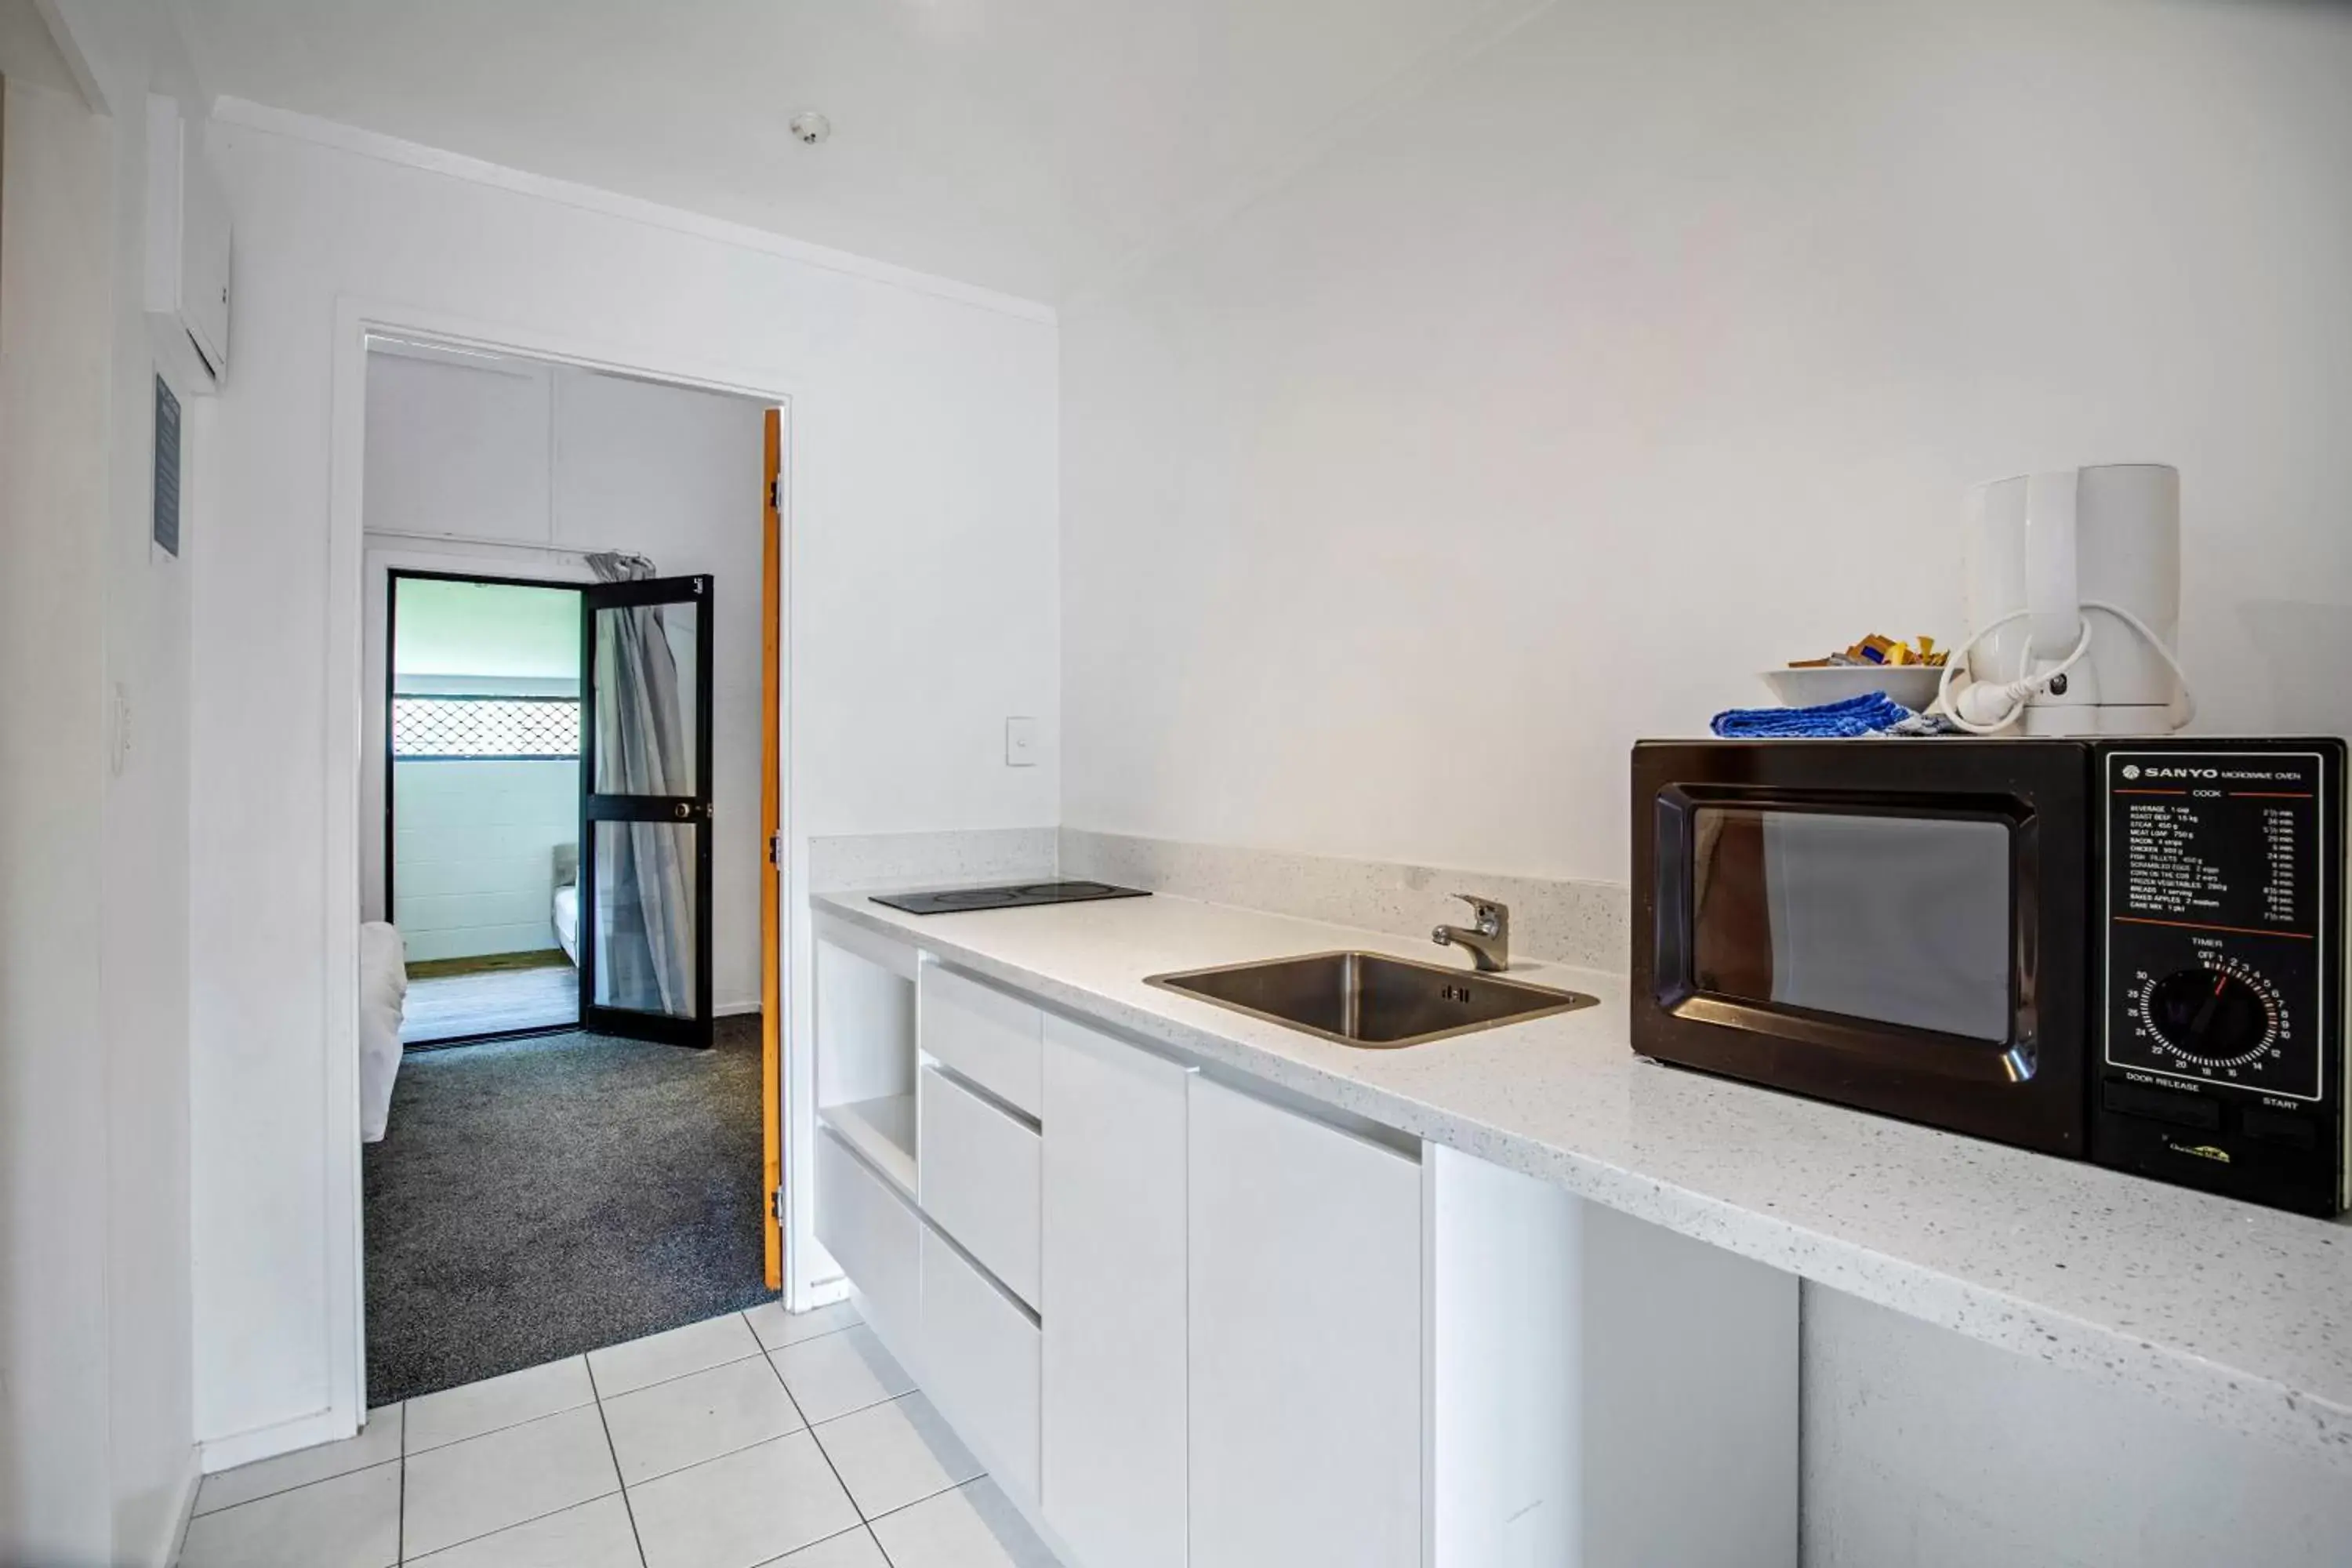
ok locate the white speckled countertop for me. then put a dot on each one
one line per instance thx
(2241, 1315)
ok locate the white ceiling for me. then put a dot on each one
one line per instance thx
(1025, 145)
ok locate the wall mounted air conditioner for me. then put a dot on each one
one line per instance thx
(187, 254)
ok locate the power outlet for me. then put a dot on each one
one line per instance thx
(1021, 743)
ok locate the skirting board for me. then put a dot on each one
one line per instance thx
(217, 1454)
(192, 1479)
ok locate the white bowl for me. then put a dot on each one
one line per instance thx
(1912, 685)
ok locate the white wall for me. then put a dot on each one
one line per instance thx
(922, 598)
(473, 849)
(54, 1498)
(460, 445)
(97, 1462)
(1656, 344)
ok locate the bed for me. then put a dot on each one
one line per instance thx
(565, 907)
(383, 995)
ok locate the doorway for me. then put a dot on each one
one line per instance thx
(482, 804)
(566, 571)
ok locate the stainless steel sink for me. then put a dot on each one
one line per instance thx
(1371, 999)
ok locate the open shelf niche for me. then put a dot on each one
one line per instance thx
(866, 1049)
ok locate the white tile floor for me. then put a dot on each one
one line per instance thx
(753, 1439)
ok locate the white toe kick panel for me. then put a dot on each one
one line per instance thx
(1189, 1322)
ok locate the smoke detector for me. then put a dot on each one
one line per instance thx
(811, 127)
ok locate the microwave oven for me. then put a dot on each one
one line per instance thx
(2129, 952)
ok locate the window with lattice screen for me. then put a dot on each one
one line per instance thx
(504, 727)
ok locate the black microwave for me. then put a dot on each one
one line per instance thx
(2126, 951)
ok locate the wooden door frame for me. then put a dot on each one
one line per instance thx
(771, 835)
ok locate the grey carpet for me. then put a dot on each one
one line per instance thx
(533, 1199)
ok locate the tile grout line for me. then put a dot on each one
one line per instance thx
(528, 1420)
(712, 1458)
(518, 1524)
(767, 1349)
(764, 1351)
(820, 1540)
(596, 1398)
(818, 1444)
(198, 1511)
(618, 1491)
(582, 1356)
(628, 1506)
(893, 1513)
(299, 1486)
(896, 1507)
(401, 1455)
(931, 1497)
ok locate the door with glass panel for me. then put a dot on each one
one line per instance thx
(645, 809)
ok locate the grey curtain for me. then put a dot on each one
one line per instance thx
(645, 870)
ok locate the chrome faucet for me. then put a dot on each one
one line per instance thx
(1489, 939)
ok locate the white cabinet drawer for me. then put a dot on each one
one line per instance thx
(871, 1232)
(980, 1362)
(990, 1036)
(978, 1170)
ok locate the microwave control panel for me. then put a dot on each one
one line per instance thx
(2223, 1057)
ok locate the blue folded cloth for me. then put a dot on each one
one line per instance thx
(1875, 713)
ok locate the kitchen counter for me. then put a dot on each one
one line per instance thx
(2240, 1315)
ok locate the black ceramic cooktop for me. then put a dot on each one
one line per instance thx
(955, 901)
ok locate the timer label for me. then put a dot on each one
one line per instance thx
(2213, 881)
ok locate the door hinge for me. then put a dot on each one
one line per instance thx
(776, 849)
(775, 495)
(776, 1205)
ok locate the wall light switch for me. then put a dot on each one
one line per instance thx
(1021, 743)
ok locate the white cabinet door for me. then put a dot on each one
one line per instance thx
(1113, 1281)
(1304, 1324)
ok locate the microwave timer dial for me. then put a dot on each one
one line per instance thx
(2220, 1019)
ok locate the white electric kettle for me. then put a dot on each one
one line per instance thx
(2074, 601)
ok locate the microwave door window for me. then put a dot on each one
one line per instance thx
(1895, 919)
